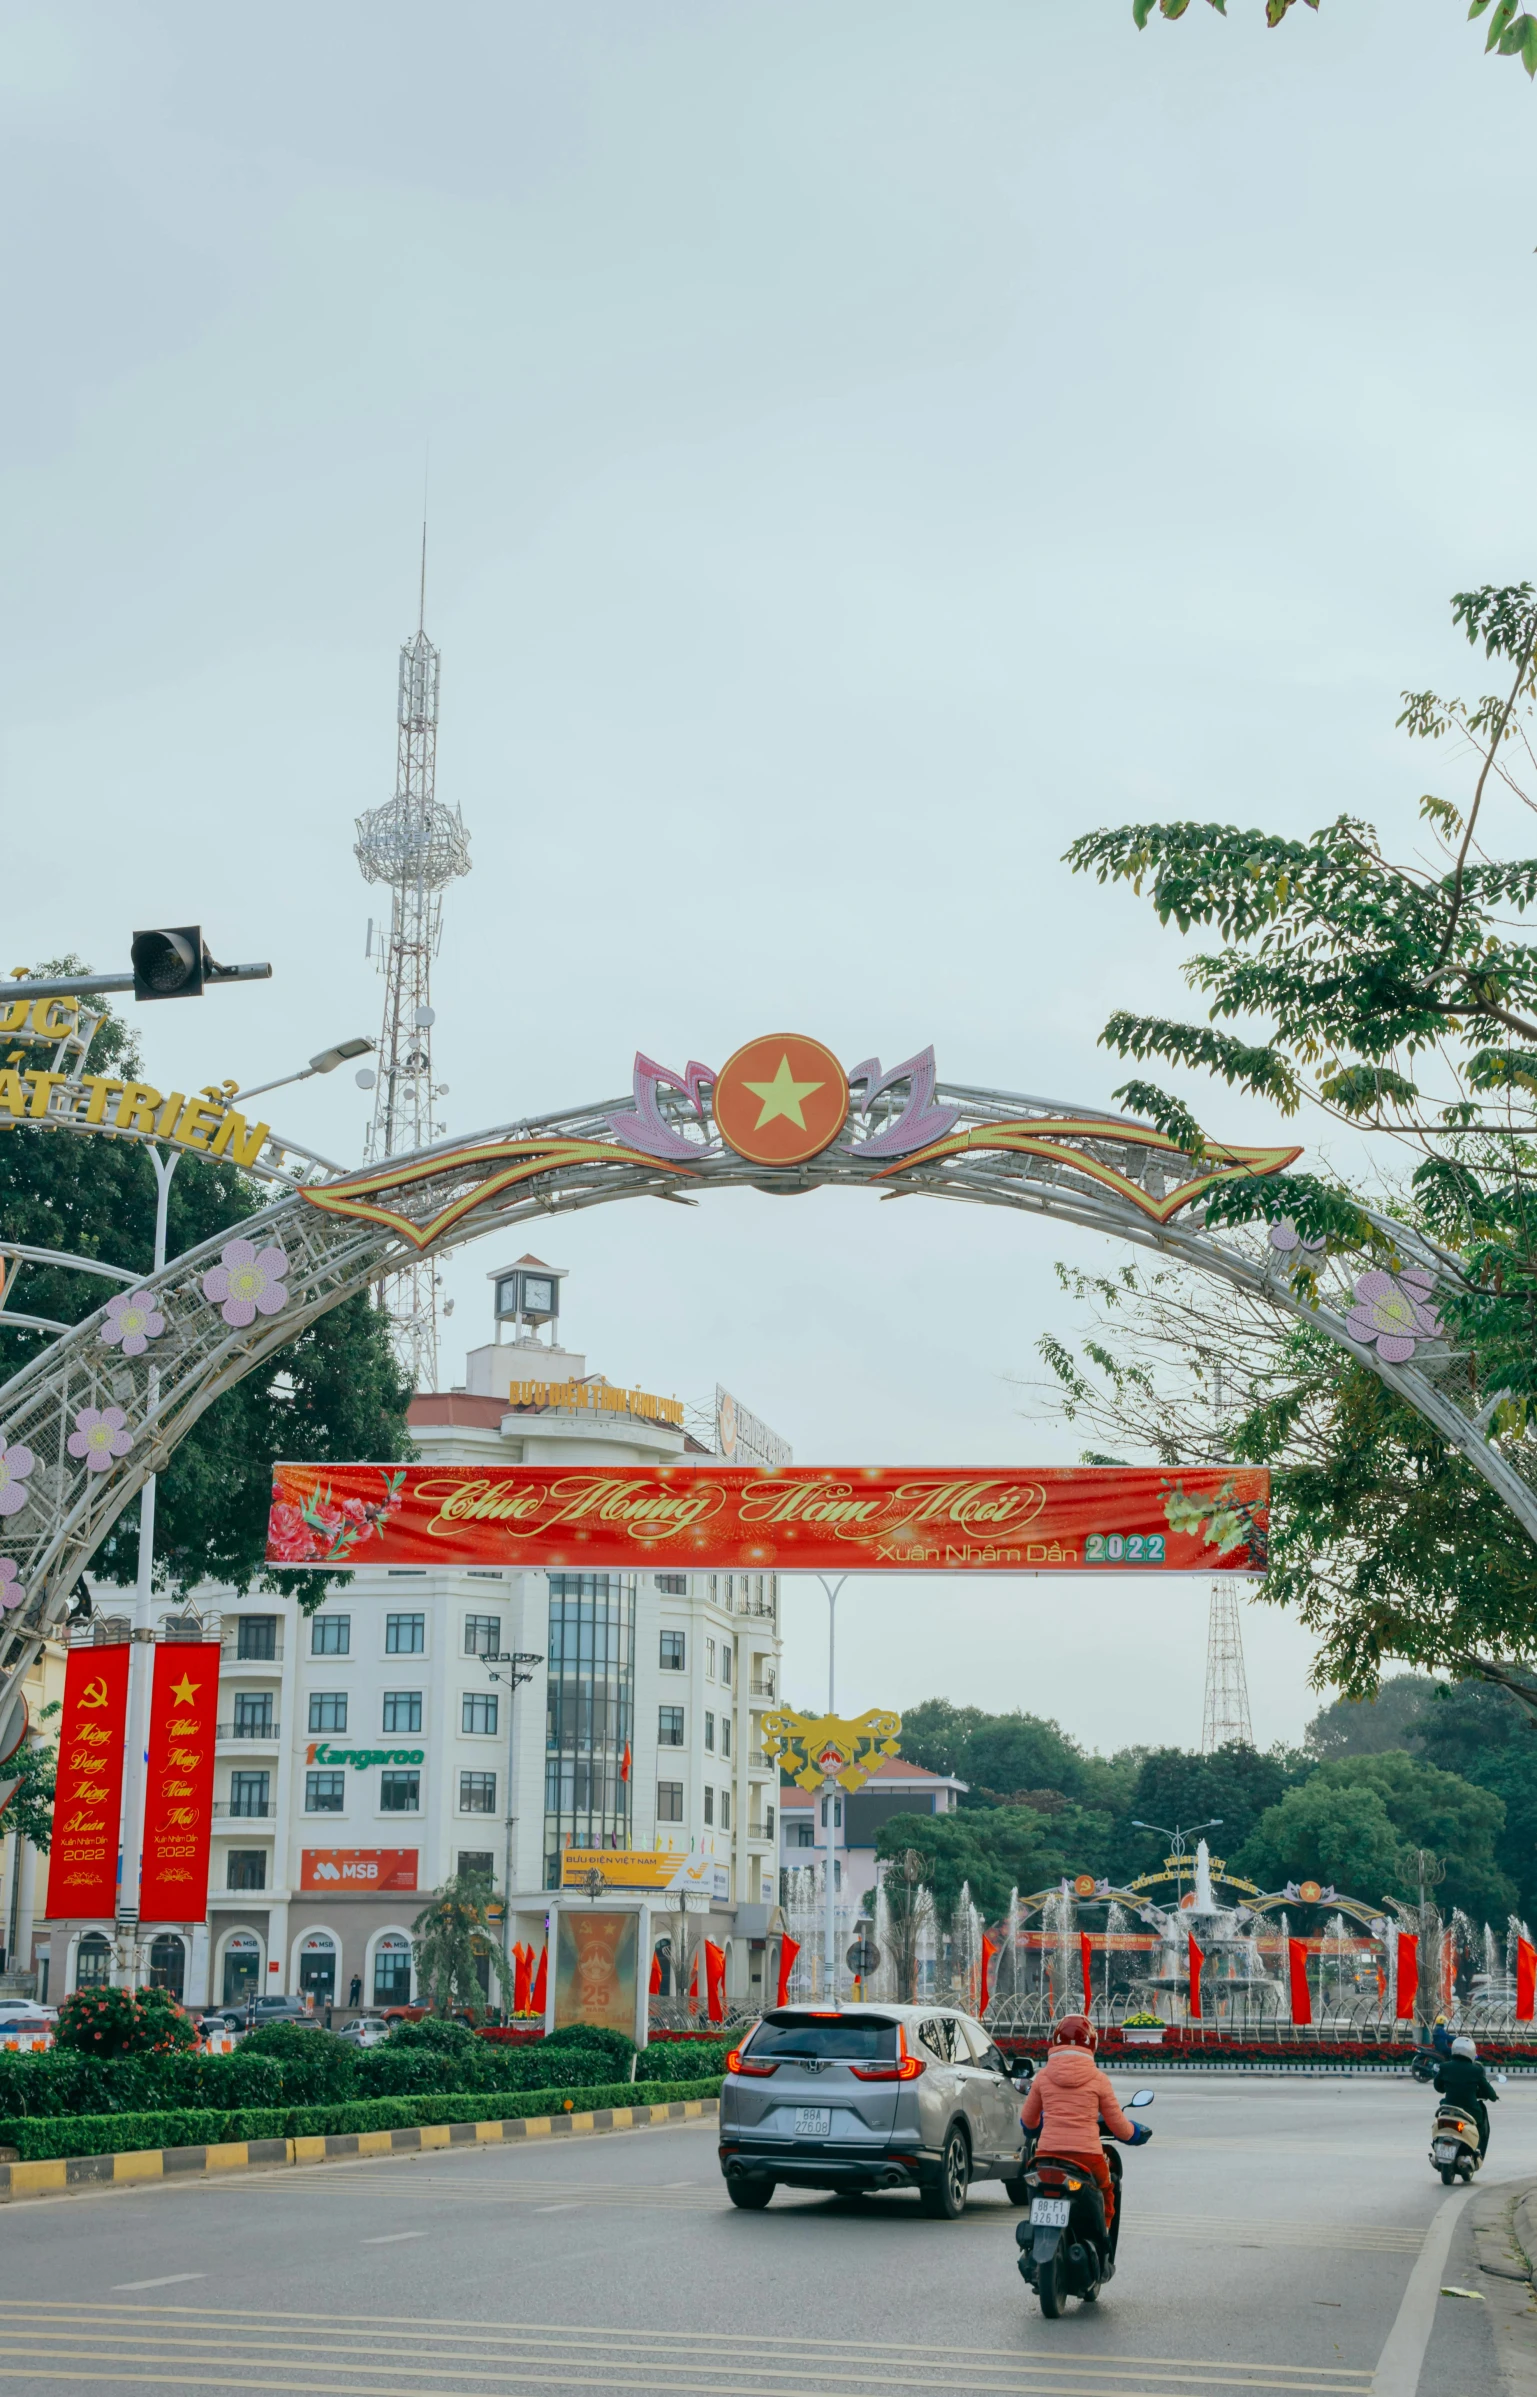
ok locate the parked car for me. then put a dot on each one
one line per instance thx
(227, 2018)
(279, 2009)
(870, 2097)
(25, 2014)
(368, 2031)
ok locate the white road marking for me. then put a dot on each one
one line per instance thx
(391, 2238)
(571, 2208)
(165, 2281)
(1398, 2366)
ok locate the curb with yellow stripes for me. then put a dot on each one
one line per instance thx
(52, 2175)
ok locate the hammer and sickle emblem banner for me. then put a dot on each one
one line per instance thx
(88, 1796)
(178, 1782)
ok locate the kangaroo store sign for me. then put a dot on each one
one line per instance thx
(321, 1751)
(880, 1519)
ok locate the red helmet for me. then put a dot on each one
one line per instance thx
(1075, 2030)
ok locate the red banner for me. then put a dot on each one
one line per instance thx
(88, 1796)
(1197, 1959)
(1408, 1975)
(1297, 1967)
(178, 1782)
(1526, 1980)
(802, 1518)
(789, 1949)
(357, 1868)
(1085, 1952)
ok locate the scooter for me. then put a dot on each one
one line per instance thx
(1065, 2248)
(1454, 2143)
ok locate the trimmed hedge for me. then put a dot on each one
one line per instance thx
(37, 2138)
(682, 2060)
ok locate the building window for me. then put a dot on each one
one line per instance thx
(672, 1585)
(478, 1712)
(477, 1793)
(709, 1660)
(725, 1662)
(485, 1572)
(589, 1714)
(669, 1801)
(248, 1793)
(672, 1652)
(253, 1715)
(328, 1710)
(331, 1635)
(669, 1726)
(405, 1635)
(482, 1635)
(768, 1822)
(801, 1835)
(709, 1804)
(725, 1809)
(392, 1971)
(725, 1735)
(323, 1792)
(400, 1793)
(709, 1731)
(476, 1864)
(93, 1962)
(246, 1868)
(402, 1710)
(257, 1638)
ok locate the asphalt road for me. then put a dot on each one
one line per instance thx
(1272, 2229)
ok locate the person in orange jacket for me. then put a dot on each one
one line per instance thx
(1069, 2098)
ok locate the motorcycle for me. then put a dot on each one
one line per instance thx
(1065, 2248)
(1454, 2140)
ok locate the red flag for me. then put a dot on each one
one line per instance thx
(715, 1980)
(1526, 1980)
(88, 1796)
(1408, 1974)
(522, 1958)
(1085, 1951)
(1297, 1966)
(178, 1782)
(789, 1949)
(1448, 1972)
(624, 1763)
(656, 1974)
(1196, 1962)
(989, 1951)
(540, 1989)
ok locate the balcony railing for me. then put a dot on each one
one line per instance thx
(763, 1689)
(229, 1653)
(258, 1730)
(244, 1810)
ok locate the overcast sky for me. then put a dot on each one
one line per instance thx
(870, 444)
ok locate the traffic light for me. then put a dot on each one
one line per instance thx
(169, 964)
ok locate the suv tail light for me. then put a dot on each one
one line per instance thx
(903, 2068)
(740, 2061)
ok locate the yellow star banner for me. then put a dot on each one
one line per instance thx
(814, 1749)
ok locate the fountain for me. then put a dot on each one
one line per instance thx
(1233, 1976)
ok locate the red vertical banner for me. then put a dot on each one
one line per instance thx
(1526, 1980)
(1197, 1959)
(989, 1951)
(1085, 1952)
(178, 1782)
(789, 1949)
(88, 1795)
(1408, 1975)
(715, 1981)
(1297, 1967)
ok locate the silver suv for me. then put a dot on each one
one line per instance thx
(870, 2097)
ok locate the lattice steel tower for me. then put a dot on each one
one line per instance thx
(417, 847)
(1226, 1713)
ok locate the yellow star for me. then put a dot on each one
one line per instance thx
(185, 1690)
(782, 1096)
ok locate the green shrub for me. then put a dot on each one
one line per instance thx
(614, 2044)
(118, 2134)
(437, 2031)
(59, 2081)
(319, 2068)
(395, 2070)
(123, 2022)
(682, 2060)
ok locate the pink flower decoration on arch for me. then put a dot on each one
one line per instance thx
(246, 1282)
(12, 1590)
(100, 1436)
(134, 1320)
(1286, 1237)
(1395, 1311)
(15, 1464)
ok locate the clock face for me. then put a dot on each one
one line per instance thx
(536, 1294)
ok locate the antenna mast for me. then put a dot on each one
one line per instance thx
(1226, 1712)
(416, 847)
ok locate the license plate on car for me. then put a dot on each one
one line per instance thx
(813, 2122)
(1050, 2212)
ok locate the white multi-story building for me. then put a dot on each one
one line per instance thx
(369, 1750)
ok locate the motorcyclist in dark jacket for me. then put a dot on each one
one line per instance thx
(1463, 2079)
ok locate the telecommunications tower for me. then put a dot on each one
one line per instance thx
(417, 847)
(1226, 1713)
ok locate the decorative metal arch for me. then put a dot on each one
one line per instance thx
(905, 1136)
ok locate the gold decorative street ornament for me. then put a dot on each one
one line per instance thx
(817, 1749)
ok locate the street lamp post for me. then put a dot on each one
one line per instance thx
(513, 1668)
(830, 1790)
(1179, 1837)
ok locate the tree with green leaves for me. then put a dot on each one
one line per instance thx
(28, 1808)
(452, 1938)
(1400, 1000)
(1512, 29)
(334, 1393)
(1358, 1822)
